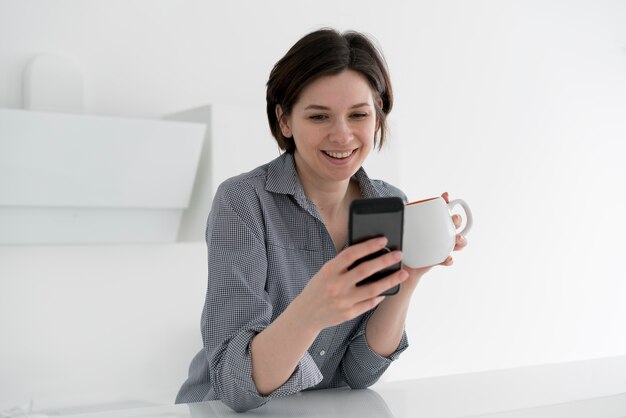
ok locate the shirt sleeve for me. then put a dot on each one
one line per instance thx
(237, 306)
(361, 366)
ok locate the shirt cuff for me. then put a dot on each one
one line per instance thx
(306, 374)
(367, 358)
(370, 360)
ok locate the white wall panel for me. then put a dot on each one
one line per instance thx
(73, 178)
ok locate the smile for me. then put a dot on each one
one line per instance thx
(339, 155)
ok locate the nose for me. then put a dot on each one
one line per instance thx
(341, 132)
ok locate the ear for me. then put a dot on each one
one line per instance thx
(379, 104)
(283, 122)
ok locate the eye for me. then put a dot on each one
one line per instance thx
(320, 117)
(359, 115)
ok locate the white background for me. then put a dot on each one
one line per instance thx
(519, 107)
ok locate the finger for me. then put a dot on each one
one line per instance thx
(457, 221)
(371, 290)
(367, 304)
(357, 251)
(367, 268)
(460, 243)
(448, 261)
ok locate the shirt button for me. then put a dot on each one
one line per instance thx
(322, 352)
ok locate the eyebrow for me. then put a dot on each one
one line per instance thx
(320, 107)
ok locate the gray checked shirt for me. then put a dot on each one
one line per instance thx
(265, 241)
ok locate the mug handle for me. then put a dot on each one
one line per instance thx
(469, 219)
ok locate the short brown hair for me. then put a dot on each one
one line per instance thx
(327, 52)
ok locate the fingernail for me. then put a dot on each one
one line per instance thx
(397, 255)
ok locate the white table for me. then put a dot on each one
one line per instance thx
(591, 388)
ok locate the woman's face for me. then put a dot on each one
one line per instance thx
(333, 124)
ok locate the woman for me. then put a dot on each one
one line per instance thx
(282, 311)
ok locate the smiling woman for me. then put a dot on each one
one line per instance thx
(283, 313)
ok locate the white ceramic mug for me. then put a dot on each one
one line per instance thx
(429, 232)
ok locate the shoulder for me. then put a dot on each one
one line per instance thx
(388, 190)
(384, 189)
(242, 195)
(377, 188)
(244, 183)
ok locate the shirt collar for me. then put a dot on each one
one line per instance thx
(282, 176)
(365, 183)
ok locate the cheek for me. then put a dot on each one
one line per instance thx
(368, 131)
(309, 133)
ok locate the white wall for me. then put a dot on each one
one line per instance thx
(521, 111)
(103, 325)
(517, 106)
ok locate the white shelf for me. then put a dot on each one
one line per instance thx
(76, 178)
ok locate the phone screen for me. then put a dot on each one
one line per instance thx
(377, 217)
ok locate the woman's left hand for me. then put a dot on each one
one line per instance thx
(461, 242)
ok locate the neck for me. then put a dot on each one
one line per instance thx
(330, 197)
(332, 201)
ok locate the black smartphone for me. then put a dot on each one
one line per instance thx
(376, 217)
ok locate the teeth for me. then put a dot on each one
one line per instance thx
(339, 154)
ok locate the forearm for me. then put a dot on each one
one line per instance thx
(386, 325)
(277, 350)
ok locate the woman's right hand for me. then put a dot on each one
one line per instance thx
(332, 296)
